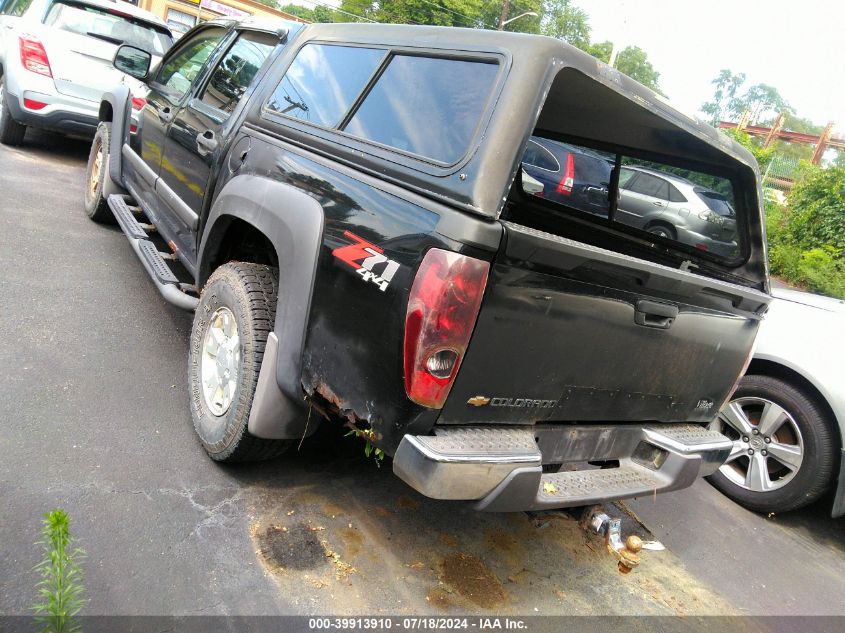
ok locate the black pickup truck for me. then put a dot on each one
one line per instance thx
(348, 210)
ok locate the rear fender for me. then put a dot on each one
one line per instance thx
(293, 222)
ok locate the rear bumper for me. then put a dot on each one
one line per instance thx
(61, 114)
(501, 469)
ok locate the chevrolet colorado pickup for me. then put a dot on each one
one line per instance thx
(343, 208)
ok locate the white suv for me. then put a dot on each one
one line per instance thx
(56, 61)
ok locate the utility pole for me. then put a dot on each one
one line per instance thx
(504, 17)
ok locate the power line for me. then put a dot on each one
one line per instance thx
(458, 13)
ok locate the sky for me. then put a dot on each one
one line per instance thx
(798, 47)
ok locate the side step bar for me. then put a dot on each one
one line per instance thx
(501, 469)
(158, 270)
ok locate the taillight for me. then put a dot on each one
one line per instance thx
(32, 104)
(33, 55)
(568, 181)
(138, 103)
(442, 309)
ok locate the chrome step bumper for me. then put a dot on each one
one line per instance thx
(501, 468)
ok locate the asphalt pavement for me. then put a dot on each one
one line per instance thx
(94, 419)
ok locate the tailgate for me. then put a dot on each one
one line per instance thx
(571, 332)
(82, 65)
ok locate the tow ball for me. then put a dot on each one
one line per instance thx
(627, 553)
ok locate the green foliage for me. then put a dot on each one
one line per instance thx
(762, 101)
(316, 14)
(817, 202)
(369, 449)
(60, 589)
(807, 238)
(565, 21)
(763, 156)
(435, 12)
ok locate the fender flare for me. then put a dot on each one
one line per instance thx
(293, 223)
(118, 99)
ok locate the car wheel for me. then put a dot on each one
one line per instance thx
(784, 446)
(98, 183)
(11, 132)
(236, 312)
(662, 231)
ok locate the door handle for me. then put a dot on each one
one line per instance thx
(206, 142)
(657, 204)
(165, 114)
(655, 314)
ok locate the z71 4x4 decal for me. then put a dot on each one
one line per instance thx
(366, 258)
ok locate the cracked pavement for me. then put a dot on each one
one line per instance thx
(95, 420)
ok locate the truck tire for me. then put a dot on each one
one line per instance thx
(11, 132)
(98, 183)
(236, 313)
(806, 430)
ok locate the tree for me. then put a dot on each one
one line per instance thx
(631, 60)
(724, 102)
(435, 12)
(317, 14)
(564, 21)
(761, 101)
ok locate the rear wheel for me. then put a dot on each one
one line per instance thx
(784, 446)
(236, 313)
(662, 230)
(98, 183)
(11, 132)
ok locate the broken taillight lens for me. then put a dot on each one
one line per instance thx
(442, 309)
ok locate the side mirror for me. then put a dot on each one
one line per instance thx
(132, 61)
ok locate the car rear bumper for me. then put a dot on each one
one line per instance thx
(61, 113)
(501, 469)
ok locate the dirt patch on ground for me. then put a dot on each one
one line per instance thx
(404, 502)
(449, 540)
(352, 541)
(291, 548)
(472, 579)
(439, 599)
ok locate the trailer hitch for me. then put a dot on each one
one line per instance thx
(627, 553)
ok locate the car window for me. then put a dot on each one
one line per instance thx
(426, 106)
(675, 195)
(114, 27)
(538, 156)
(584, 186)
(323, 82)
(716, 202)
(16, 9)
(651, 186)
(625, 177)
(179, 72)
(236, 71)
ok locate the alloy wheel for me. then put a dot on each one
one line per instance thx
(220, 364)
(768, 448)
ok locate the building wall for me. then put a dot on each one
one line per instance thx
(181, 15)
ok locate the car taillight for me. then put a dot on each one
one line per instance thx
(138, 103)
(32, 104)
(568, 181)
(33, 56)
(442, 309)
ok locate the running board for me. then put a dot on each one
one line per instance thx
(155, 265)
(502, 469)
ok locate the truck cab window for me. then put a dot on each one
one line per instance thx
(236, 71)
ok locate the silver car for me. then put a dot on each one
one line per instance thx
(56, 61)
(678, 209)
(787, 416)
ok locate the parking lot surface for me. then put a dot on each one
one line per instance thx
(95, 420)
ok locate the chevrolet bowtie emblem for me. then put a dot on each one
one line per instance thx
(478, 401)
